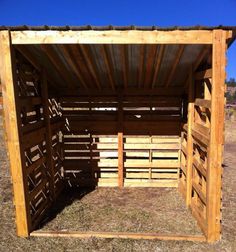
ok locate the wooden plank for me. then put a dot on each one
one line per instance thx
(200, 220)
(167, 92)
(206, 74)
(199, 191)
(119, 235)
(214, 167)
(29, 56)
(203, 103)
(112, 37)
(189, 154)
(158, 64)
(69, 56)
(91, 66)
(12, 119)
(199, 167)
(151, 183)
(59, 66)
(120, 144)
(109, 65)
(48, 131)
(175, 65)
(200, 137)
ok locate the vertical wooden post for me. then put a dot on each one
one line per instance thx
(214, 166)
(46, 112)
(12, 127)
(120, 143)
(190, 140)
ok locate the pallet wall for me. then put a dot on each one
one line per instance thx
(195, 148)
(151, 140)
(33, 132)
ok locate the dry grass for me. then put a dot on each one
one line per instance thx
(122, 210)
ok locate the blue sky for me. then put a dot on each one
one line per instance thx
(102, 12)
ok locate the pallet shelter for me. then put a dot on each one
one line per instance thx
(115, 106)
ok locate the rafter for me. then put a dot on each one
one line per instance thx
(29, 56)
(71, 61)
(158, 64)
(56, 61)
(141, 64)
(107, 60)
(148, 64)
(125, 64)
(197, 62)
(175, 65)
(91, 67)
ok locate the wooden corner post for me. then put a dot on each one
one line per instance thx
(214, 167)
(12, 125)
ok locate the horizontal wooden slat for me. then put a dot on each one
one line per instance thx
(37, 189)
(200, 137)
(120, 235)
(199, 191)
(200, 219)
(203, 103)
(35, 164)
(206, 74)
(112, 37)
(150, 183)
(202, 129)
(199, 167)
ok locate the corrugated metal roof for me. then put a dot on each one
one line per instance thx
(111, 27)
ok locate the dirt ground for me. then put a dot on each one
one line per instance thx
(126, 210)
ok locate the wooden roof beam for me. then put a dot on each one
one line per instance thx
(197, 62)
(71, 61)
(158, 64)
(112, 37)
(91, 67)
(55, 60)
(141, 65)
(175, 65)
(125, 64)
(110, 70)
(29, 56)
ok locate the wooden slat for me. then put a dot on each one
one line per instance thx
(34, 61)
(158, 64)
(119, 235)
(151, 183)
(59, 66)
(35, 164)
(189, 154)
(200, 137)
(85, 50)
(200, 220)
(199, 167)
(206, 74)
(203, 103)
(12, 119)
(214, 169)
(167, 92)
(69, 56)
(120, 144)
(198, 61)
(199, 191)
(37, 189)
(175, 65)
(48, 133)
(112, 37)
(109, 65)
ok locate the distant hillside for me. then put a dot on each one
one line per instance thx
(231, 91)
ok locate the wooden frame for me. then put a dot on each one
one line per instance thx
(210, 143)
